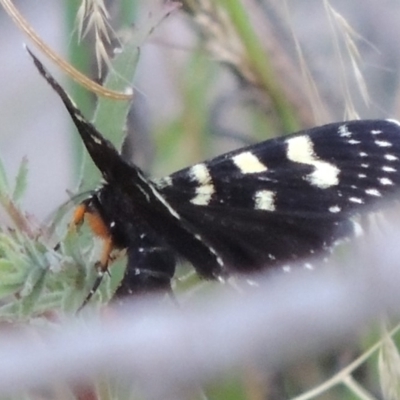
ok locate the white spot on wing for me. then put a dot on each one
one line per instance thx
(383, 143)
(200, 174)
(353, 141)
(300, 149)
(205, 188)
(385, 181)
(248, 163)
(363, 154)
(343, 131)
(356, 200)
(376, 132)
(203, 195)
(264, 200)
(334, 209)
(391, 157)
(373, 192)
(388, 169)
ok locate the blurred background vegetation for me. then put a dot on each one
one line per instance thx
(211, 76)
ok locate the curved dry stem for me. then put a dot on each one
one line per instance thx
(320, 113)
(340, 28)
(76, 75)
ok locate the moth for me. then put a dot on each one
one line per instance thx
(255, 208)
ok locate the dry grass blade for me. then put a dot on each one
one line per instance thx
(342, 33)
(77, 76)
(93, 15)
(253, 47)
(319, 111)
(229, 36)
(350, 35)
(221, 39)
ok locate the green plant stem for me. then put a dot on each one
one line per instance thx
(80, 56)
(258, 59)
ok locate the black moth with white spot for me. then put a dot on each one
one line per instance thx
(254, 208)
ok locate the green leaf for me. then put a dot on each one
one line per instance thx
(32, 292)
(110, 115)
(21, 181)
(4, 187)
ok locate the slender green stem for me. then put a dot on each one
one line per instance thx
(260, 62)
(79, 56)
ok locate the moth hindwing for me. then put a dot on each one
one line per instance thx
(259, 207)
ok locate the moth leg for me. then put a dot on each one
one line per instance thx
(102, 269)
(79, 216)
(76, 222)
(85, 212)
